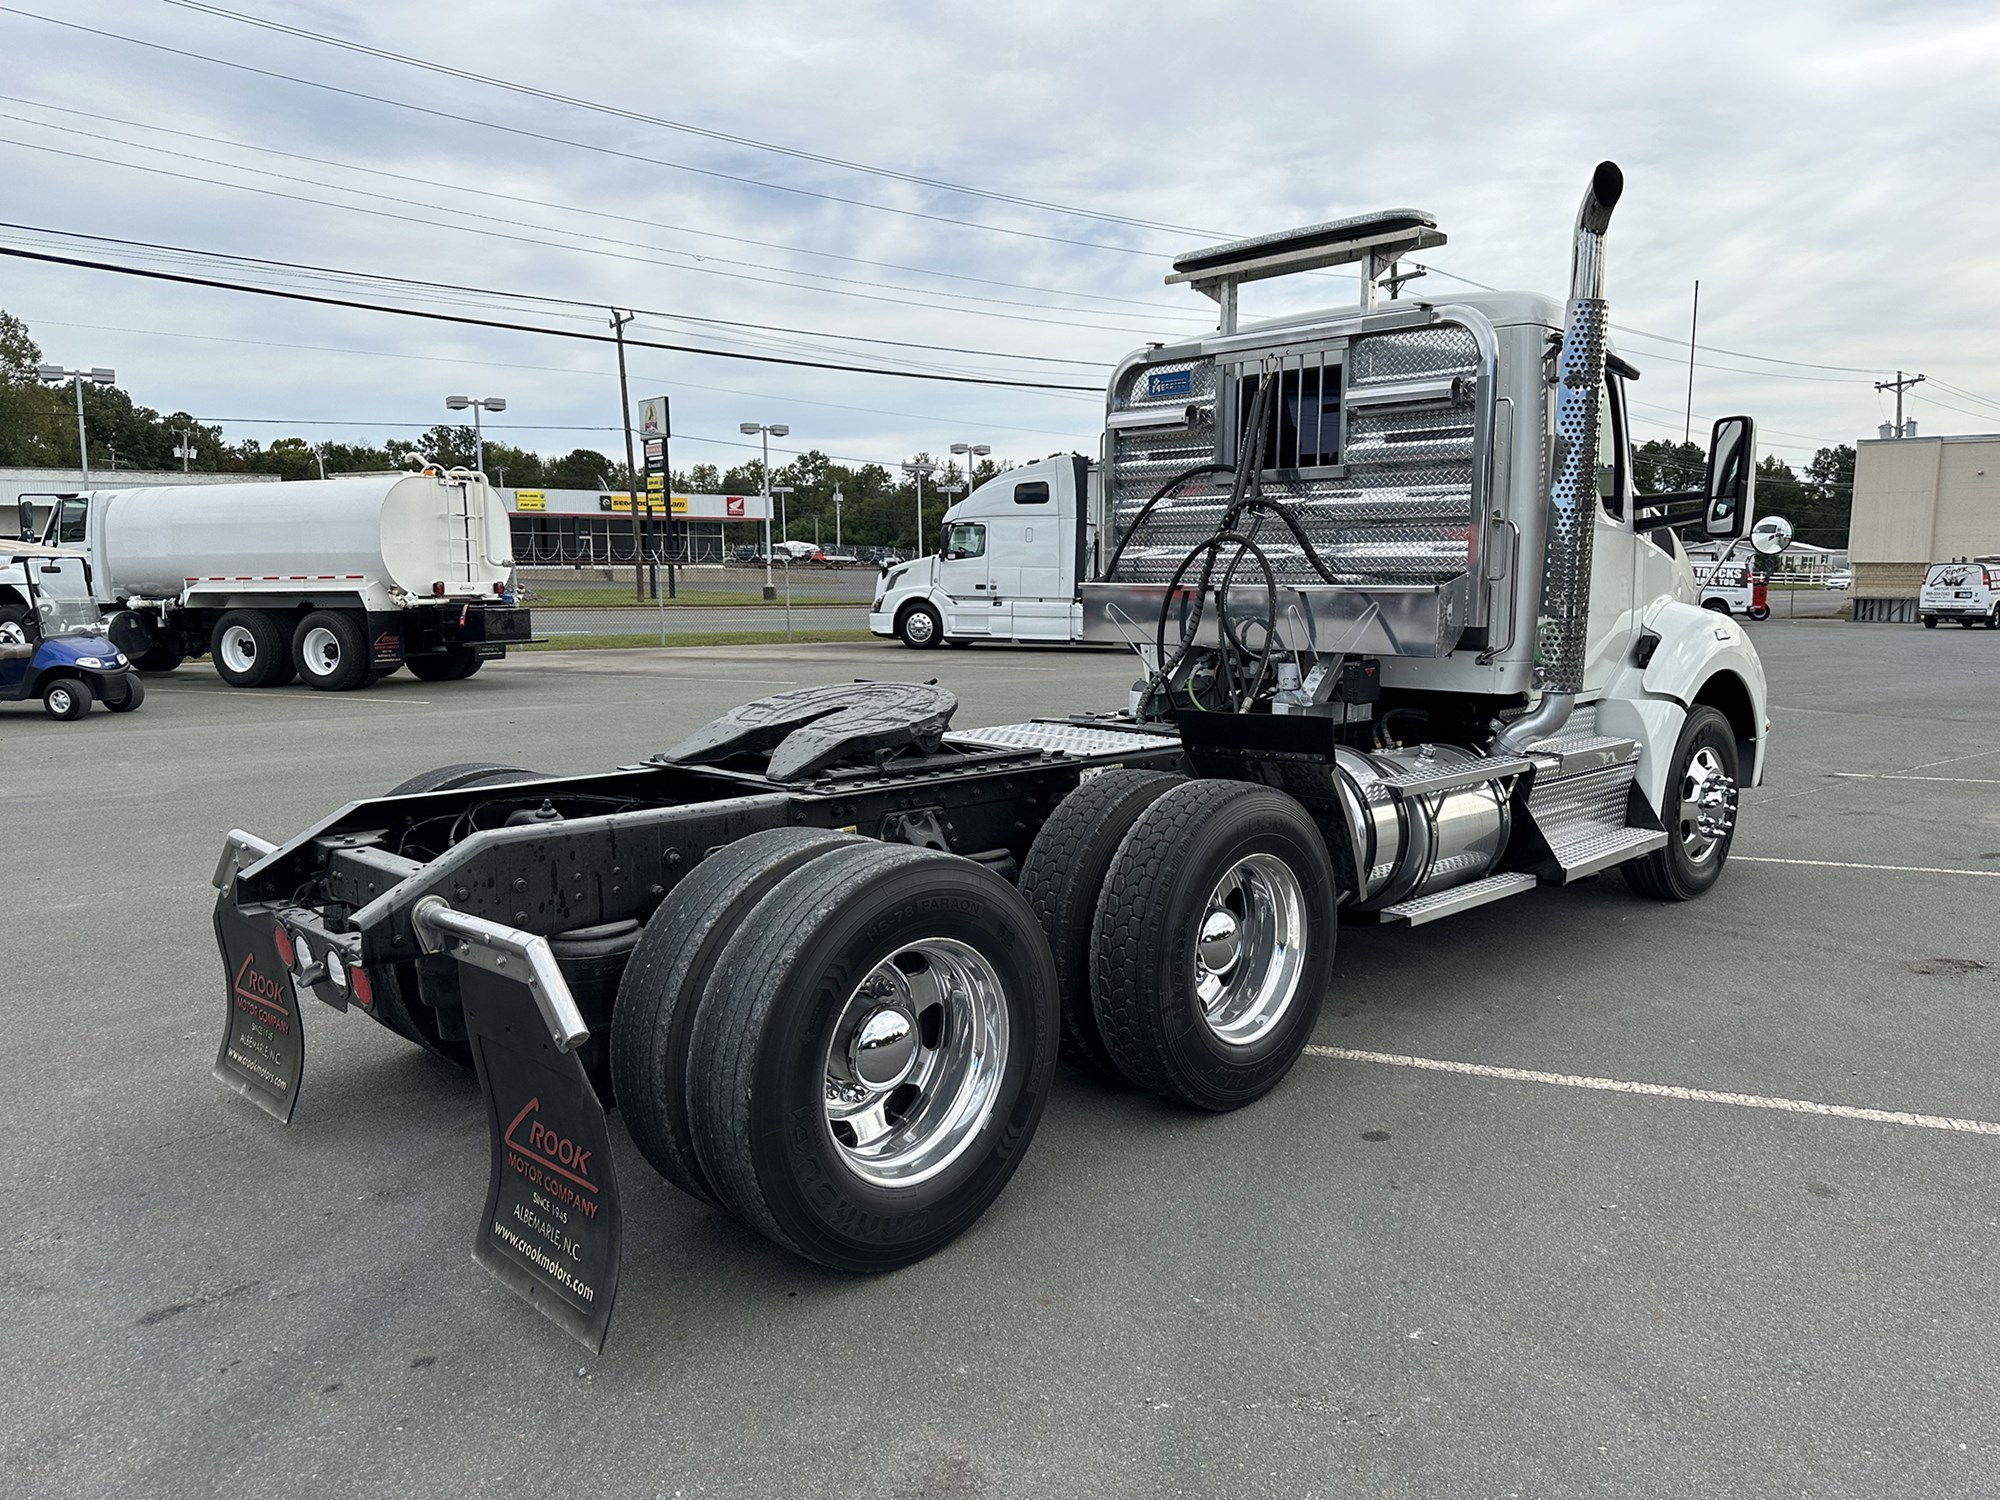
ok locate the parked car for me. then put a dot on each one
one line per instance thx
(1840, 582)
(1966, 591)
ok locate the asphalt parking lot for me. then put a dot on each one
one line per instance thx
(1385, 1279)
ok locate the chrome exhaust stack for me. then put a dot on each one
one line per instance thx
(1562, 636)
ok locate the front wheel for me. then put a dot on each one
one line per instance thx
(1930, 622)
(919, 627)
(1700, 815)
(873, 1056)
(1720, 606)
(124, 693)
(66, 698)
(1759, 612)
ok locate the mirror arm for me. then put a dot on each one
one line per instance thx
(1671, 497)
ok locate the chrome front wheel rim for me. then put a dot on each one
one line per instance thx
(1708, 805)
(238, 649)
(914, 1063)
(918, 626)
(1250, 949)
(320, 652)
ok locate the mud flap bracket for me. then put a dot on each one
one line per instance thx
(552, 1227)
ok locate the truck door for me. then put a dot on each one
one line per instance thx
(963, 576)
(1041, 601)
(1622, 581)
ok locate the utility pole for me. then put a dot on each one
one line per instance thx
(1900, 384)
(1694, 321)
(631, 469)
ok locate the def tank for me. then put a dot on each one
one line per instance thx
(367, 534)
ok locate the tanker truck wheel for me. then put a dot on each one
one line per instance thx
(667, 977)
(452, 664)
(1062, 879)
(330, 648)
(251, 650)
(1213, 943)
(873, 1056)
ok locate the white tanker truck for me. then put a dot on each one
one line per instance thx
(339, 582)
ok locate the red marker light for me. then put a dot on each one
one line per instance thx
(283, 939)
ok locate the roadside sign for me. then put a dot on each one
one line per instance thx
(530, 500)
(654, 417)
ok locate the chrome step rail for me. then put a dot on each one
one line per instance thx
(1458, 898)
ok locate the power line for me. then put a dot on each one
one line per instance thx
(523, 239)
(444, 359)
(594, 307)
(516, 130)
(560, 333)
(489, 192)
(598, 107)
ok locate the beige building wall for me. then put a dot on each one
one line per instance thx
(1919, 501)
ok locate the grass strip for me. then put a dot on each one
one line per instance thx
(697, 638)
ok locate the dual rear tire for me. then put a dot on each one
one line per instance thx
(845, 1044)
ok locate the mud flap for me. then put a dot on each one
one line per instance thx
(552, 1227)
(263, 1051)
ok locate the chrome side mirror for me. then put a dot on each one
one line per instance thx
(1732, 477)
(1771, 536)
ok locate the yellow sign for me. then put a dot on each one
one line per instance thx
(621, 502)
(530, 500)
(679, 505)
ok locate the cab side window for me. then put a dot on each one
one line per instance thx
(1614, 449)
(967, 539)
(69, 528)
(1035, 492)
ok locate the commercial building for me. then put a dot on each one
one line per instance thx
(1917, 501)
(595, 527)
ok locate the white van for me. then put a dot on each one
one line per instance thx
(1965, 591)
(1008, 567)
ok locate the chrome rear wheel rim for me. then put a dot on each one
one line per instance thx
(914, 1063)
(1250, 949)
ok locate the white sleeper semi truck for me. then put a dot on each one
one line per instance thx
(1407, 649)
(338, 582)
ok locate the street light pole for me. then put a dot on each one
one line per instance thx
(618, 323)
(478, 404)
(971, 451)
(96, 375)
(836, 518)
(784, 521)
(917, 469)
(767, 431)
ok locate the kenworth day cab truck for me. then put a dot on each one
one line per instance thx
(339, 581)
(1402, 655)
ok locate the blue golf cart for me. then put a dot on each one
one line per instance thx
(52, 641)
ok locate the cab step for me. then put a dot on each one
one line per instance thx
(1458, 898)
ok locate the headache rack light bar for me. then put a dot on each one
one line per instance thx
(1384, 236)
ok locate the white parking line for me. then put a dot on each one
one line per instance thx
(1843, 864)
(1897, 776)
(1664, 1091)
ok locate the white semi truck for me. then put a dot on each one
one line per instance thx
(339, 582)
(1406, 648)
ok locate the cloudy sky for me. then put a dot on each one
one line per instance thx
(998, 192)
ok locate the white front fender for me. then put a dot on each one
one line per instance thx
(1697, 646)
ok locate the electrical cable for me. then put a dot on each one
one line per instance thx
(515, 130)
(560, 333)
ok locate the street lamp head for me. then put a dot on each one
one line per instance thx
(101, 376)
(782, 489)
(779, 429)
(495, 403)
(920, 468)
(749, 429)
(458, 403)
(51, 372)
